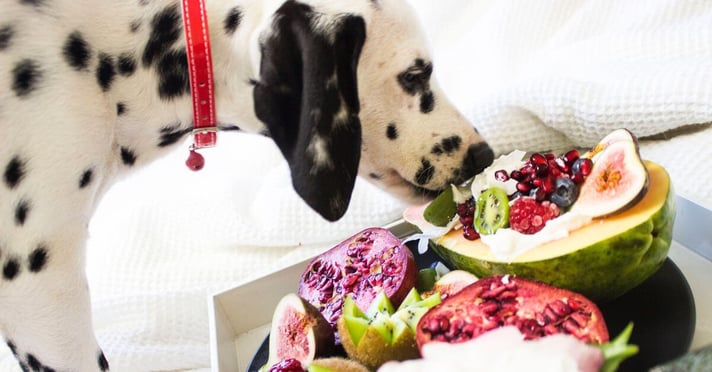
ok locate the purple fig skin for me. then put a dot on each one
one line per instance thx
(297, 326)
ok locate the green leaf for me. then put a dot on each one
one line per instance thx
(617, 350)
(442, 209)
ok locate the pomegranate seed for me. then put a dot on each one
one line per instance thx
(541, 170)
(470, 233)
(501, 175)
(571, 156)
(537, 158)
(583, 166)
(550, 156)
(523, 187)
(549, 185)
(287, 365)
(561, 164)
(578, 178)
(516, 175)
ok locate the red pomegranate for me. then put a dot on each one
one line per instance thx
(537, 309)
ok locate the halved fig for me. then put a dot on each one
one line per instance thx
(298, 333)
(618, 180)
(618, 135)
(535, 308)
(451, 283)
(363, 265)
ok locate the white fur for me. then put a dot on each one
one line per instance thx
(69, 124)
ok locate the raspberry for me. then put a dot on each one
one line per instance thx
(528, 216)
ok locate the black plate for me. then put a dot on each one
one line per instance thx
(662, 310)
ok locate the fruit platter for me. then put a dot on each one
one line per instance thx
(542, 251)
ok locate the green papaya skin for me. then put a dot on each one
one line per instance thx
(601, 271)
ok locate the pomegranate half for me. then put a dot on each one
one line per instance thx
(535, 308)
(362, 265)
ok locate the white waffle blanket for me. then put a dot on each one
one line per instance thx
(530, 75)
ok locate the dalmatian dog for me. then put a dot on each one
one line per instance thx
(90, 90)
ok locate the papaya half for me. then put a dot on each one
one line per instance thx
(601, 260)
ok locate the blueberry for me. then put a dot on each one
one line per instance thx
(565, 192)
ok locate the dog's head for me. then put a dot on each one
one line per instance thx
(351, 91)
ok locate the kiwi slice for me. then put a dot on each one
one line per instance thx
(491, 211)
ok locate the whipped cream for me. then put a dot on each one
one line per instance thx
(507, 244)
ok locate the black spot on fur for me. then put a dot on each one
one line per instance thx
(12, 347)
(126, 64)
(425, 173)
(229, 127)
(33, 362)
(102, 362)
(35, 3)
(76, 51)
(86, 178)
(14, 172)
(26, 76)
(21, 211)
(38, 259)
(127, 156)
(232, 20)
(165, 30)
(171, 134)
(11, 269)
(120, 108)
(134, 26)
(427, 102)
(451, 144)
(105, 72)
(6, 34)
(437, 149)
(392, 131)
(173, 77)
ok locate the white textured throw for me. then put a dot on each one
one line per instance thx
(530, 74)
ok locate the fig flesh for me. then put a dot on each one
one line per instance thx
(535, 308)
(618, 180)
(299, 332)
(452, 282)
(363, 265)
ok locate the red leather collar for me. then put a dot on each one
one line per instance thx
(200, 70)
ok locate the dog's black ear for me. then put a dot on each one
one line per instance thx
(307, 96)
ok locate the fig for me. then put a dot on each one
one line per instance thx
(451, 283)
(535, 308)
(618, 135)
(381, 334)
(299, 333)
(363, 265)
(618, 180)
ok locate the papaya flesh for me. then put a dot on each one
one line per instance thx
(601, 260)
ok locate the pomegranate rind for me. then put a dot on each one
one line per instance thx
(602, 260)
(526, 301)
(381, 243)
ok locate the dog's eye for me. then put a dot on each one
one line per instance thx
(415, 78)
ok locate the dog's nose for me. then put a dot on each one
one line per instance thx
(479, 156)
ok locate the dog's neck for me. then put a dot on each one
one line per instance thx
(155, 98)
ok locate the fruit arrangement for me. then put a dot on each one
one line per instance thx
(597, 222)
(372, 329)
(549, 236)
